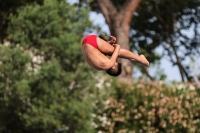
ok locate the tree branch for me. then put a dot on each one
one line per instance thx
(128, 9)
(147, 73)
(107, 9)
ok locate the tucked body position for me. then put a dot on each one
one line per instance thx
(96, 50)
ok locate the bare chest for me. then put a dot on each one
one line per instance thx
(93, 56)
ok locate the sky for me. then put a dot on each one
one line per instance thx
(172, 72)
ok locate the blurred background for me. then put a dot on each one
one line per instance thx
(46, 86)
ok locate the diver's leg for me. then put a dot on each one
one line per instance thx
(108, 49)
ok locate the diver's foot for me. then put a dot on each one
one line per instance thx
(144, 61)
(141, 60)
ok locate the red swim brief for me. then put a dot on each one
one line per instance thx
(90, 39)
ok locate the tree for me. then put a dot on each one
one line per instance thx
(162, 23)
(44, 82)
(9, 6)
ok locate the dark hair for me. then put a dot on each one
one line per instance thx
(115, 72)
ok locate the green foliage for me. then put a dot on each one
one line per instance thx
(151, 107)
(9, 6)
(44, 82)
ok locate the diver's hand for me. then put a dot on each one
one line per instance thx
(113, 40)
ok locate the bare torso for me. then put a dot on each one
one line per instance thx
(93, 56)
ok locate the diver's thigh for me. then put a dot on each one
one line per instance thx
(105, 47)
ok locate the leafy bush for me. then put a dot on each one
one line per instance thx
(150, 107)
(44, 81)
